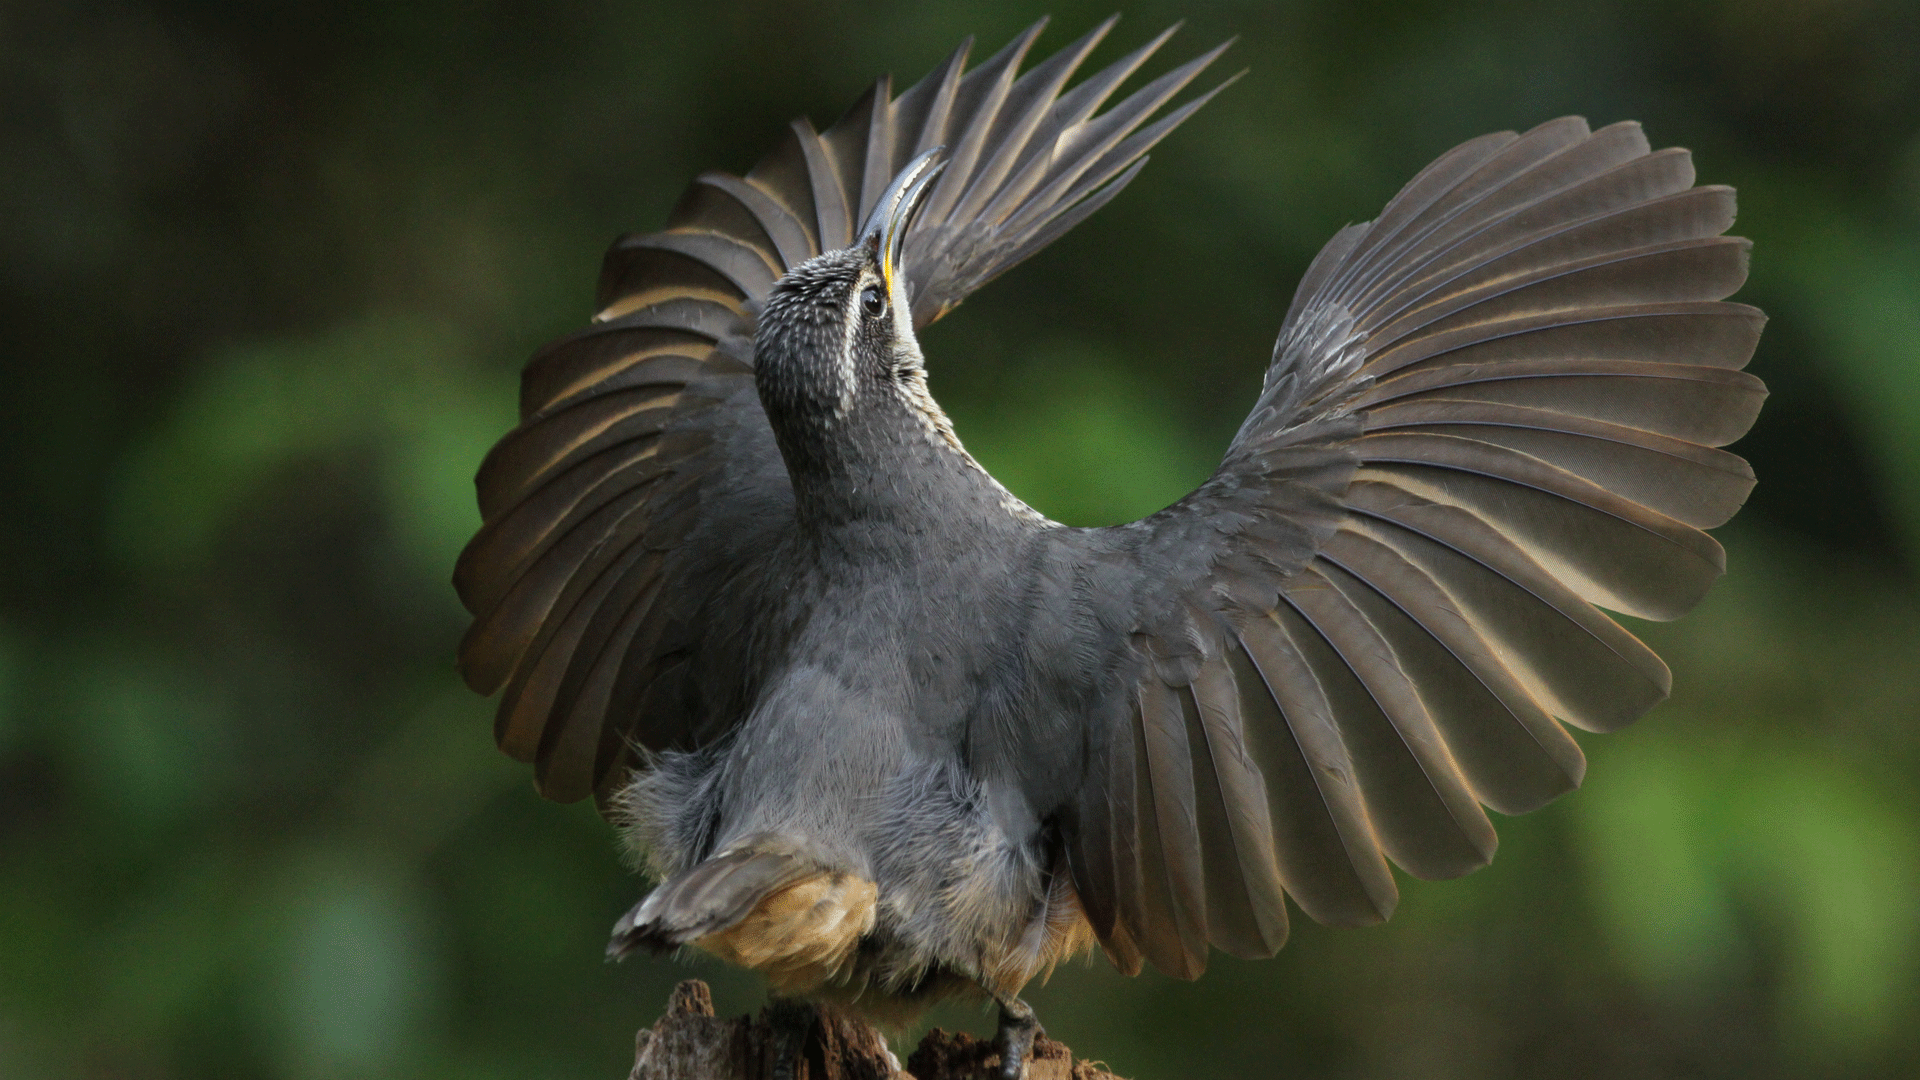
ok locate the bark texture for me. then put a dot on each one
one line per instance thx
(690, 1043)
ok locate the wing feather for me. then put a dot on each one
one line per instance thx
(705, 204)
(1119, 797)
(1246, 914)
(921, 114)
(1611, 550)
(977, 101)
(1570, 655)
(1427, 820)
(836, 219)
(1415, 226)
(861, 145)
(1695, 484)
(1492, 413)
(1510, 749)
(1706, 405)
(1324, 843)
(1172, 875)
(981, 164)
(1553, 174)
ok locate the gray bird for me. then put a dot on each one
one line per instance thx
(886, 734)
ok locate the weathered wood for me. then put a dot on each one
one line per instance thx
(690, 1043)
(960, 1056)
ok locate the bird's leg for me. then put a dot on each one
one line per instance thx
(1014, 1040)
(791, 1022)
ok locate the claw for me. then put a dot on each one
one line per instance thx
(1018, 1028)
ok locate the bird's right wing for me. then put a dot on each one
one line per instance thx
(1492, 412)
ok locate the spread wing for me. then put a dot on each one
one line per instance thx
(1492, 413)
(643, 466)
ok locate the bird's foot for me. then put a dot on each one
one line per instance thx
(1018, 1028)
(792, 1022)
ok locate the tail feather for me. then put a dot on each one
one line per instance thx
(709, 898)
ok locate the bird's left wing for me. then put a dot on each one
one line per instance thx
(644, 469)
(1492, 412)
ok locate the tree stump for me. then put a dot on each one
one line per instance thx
(690, 1043)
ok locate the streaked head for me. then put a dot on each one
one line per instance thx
(838, 328)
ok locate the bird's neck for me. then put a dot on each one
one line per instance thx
(895, 463)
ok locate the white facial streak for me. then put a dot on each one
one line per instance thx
(910, 380)
(845, 368)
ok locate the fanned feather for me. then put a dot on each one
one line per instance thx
(1491, 413)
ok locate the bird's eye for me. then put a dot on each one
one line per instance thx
(872, 301)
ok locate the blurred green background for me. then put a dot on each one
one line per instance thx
(267, 274)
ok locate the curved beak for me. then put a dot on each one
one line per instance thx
(886, 227)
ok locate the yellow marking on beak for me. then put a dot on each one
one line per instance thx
(887, 225)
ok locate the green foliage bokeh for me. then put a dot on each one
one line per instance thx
(268, 271)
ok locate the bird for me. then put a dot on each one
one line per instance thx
(886, 734)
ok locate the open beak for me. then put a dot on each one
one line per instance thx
(886, 227)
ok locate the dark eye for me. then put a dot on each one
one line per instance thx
(872, 302)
